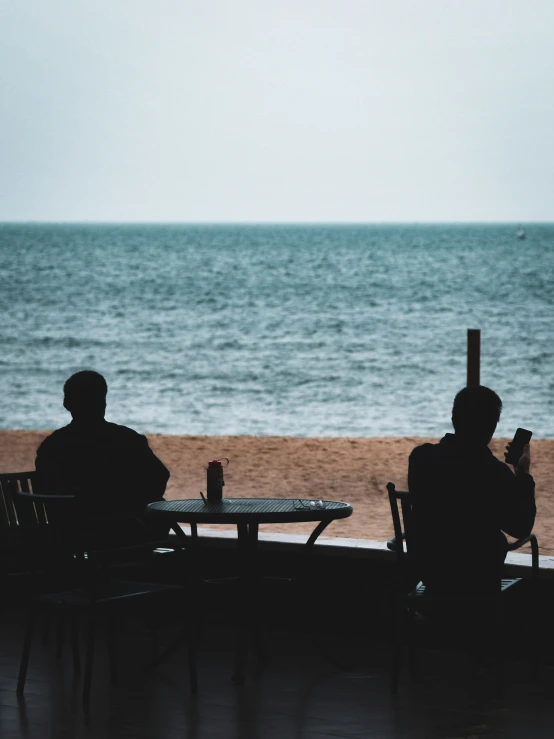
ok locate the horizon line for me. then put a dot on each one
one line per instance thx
(275, 223)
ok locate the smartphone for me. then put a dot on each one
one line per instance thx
(521, 438)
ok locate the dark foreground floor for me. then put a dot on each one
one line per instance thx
(299, 695)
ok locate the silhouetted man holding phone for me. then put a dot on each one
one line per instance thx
(109, 468)
(465, 498)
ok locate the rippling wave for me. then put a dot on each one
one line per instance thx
(293, 330)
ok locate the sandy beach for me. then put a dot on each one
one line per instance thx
(354, 470)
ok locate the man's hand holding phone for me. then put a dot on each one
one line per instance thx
(523, 464)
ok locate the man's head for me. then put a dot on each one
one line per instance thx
(85, 395)
(475, 413)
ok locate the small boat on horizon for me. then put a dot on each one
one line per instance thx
(520, 233)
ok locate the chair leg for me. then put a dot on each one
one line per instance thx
(398, 645)
(154, 639)
(534, 630)
(89, 658)
(412, 643)
(60, 634)
(498, 626)
(45, 629)
(26, 650)
(112, 645)
(75, 643)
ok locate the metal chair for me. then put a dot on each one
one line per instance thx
(24, 524)
(411, 592)
(92, 572)
(20, 525)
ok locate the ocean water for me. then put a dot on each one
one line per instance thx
(288, 329)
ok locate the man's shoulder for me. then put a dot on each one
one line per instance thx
(108, 433)
(124, 434)
(56, 438)
(423, 451)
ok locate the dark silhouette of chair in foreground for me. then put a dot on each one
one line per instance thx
(412, 593)
(22, 527)
(55, 544)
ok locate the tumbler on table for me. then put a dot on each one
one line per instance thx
(215, 481)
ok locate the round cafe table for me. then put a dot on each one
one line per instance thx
(247, 514)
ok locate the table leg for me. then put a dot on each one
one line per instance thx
(252, 595)
(303, 591)
(247, 612)
(241, 612)
(247, 621)
(309, 545)
(182, 538)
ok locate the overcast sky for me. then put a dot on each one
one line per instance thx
(277, 110)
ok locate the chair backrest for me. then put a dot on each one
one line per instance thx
(17, 512)
(403, 522)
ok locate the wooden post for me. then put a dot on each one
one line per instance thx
(473, 357)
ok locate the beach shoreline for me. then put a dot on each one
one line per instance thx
(355, 470)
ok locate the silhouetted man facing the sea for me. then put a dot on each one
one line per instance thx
(109, 468)
(465, 498)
